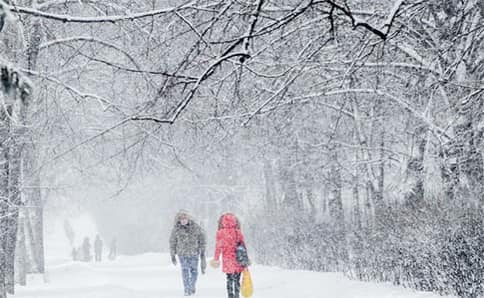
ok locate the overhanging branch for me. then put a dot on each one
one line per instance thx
(103, 19)
(184, 103)
(358, 23)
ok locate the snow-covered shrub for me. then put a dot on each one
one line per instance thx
(429, 249)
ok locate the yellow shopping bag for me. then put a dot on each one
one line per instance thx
(246, 288)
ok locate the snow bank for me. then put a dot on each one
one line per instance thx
(152, 275)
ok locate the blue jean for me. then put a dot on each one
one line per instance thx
(189, 265)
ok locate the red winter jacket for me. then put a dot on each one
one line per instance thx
(227, 237)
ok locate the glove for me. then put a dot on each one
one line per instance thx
(173, 260)
(203, 265)
(214, 263)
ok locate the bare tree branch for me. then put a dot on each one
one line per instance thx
(104, 19)
(183, 104)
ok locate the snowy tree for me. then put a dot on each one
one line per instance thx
(358, 124)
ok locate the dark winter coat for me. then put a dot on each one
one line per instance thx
(86, 250)
(98, 244)
(187, 240)
(228, 236)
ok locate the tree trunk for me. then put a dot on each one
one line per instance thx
(14, 195)
(356, 196)
(462, 157)
(3, 197)
(415, 170)
(381, 176)
(34, 240)
(30, 169)
(312, 205)
(15, 94)
(270, 188)
(335, 201)
(336, 212)
(463, 163)
(367, 170)
(21, 254)
(291, 198)
(33, 215)
(324, 201)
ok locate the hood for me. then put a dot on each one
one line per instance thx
(180, 214)
(229, 221)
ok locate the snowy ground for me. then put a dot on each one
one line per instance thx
(151, 275)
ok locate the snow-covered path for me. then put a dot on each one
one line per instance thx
(151, 275)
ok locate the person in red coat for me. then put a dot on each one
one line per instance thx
(228, 237)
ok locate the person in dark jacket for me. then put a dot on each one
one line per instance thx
(188, 242)
(86, 250)
(98, 249)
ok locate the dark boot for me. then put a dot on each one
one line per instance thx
(237, 285)
(230, 285)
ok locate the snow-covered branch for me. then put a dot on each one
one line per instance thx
(102, 19)
(392, 15)
(401, 102)
(138, 68)
(184, 103)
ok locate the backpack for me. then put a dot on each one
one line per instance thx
(241, 254)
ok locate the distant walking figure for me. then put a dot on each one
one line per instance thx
(98, 249)
(75, 254)
(86, 250)
(188, 242)
(112, 250)
(229, 238)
